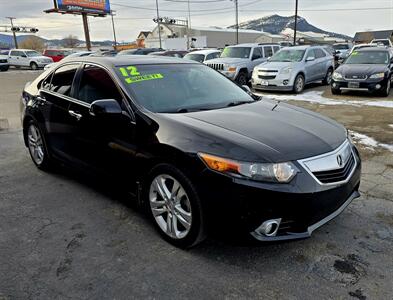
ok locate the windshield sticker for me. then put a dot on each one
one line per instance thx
(355, 53)
(132, 75)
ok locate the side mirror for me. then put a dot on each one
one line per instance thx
(311, 58)
(105, 107)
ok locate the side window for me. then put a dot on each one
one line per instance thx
(268, 51)
(276, 49)
(14, 53)
(319, 53)
(216, 54)
(46, 83)
(310, 53)
(257, 53)
(62, 79)
(96, 84)
(210, 56)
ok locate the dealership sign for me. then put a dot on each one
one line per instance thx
(87, 6)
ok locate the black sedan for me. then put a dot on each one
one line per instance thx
(367, 69)
(193, 147)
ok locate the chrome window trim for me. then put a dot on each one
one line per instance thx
(303, 163)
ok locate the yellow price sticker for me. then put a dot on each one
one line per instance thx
(132, 75)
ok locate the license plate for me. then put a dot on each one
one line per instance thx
(353, 85)
(264, 82)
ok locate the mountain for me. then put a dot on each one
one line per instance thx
(8, 41)
(276, 24)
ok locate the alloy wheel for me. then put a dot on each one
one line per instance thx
(329, 77)
(299, 84)
(36, 145)
(170, 206)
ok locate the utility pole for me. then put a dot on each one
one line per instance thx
(114, 32)
(13, 31)
(159, 24)
(87, 33)
(295, 29)
(237, 19)
(189, 27)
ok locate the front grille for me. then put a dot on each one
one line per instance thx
(356, 77)
(266, 77)
(218, 67)
(336, 175)
(268, 71)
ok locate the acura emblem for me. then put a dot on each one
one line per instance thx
(340, 160)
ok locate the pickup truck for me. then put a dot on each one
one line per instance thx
(27, 58)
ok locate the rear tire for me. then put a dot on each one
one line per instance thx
(328, 78)
(174, 206)
(37, 146)
(33, 66)
(299, 84)
(4, 69)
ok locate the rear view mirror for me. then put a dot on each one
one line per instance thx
(105, 107)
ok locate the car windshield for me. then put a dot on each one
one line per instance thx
(180, 88)
(288, 55)
(236, 52)
(128, 52)
(32, 53)
(340, 47)
(368, 58)
(195, 57)
(384, 42)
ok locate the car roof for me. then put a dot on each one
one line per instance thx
(112, 62)
(374, 49)
(304, 47)
(245, 45)
(204, 51)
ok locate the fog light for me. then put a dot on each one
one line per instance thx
(269, 228)
(334, 85)
(378, 86)
(285, 82)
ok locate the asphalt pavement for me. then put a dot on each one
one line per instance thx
(65, 235)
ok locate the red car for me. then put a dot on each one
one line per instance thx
(56, 55)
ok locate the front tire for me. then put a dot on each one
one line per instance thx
(299, 84)
(174, 206)
(328, 78)
(33, 66)
(386, 91)
(37, 146)
(4, 69)
(336, 91)
(242, 78)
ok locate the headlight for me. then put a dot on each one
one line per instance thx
(231, 69)
(337, 76)
(268, 172)
(286, 70)
(377, 76)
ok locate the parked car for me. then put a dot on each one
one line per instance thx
(237, 62)
(139, 51)
(203, 55)
(367, 69)
(76, 54)
(292, 68)
(56, 55)
(385, 42)
(4, 65)
(285, 44)
(192, 146)
(171, 53)
(28, 58)
(342, 49)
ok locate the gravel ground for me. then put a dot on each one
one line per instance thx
(64, 236)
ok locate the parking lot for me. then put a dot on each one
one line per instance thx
(67, 236)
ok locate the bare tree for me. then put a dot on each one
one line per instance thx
(34, 43)
(71, 41)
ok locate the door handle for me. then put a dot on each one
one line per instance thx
(75, 115)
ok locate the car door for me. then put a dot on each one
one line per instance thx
(24, 60)
(321, 60)
(105, 144)
(256, 58)
(14, 57)
(311, 64)
(54, 99)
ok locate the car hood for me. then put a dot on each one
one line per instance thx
(349, 70)
(276, 65)
(228, 60)
(258, 132)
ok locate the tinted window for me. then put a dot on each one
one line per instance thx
(46, 83)
(368, 58)
(319, 53)
(96, 84)
(257, 53)
(236, 52)
(195, 57)
(310, 53)
(62, 79)
(288, 55)
(268, 51)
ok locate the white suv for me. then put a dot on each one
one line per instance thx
(28, 58)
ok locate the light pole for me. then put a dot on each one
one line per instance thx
(295, 29)
(237, 19)
(13, 31)
(114, 31)
(189, 27)
(159, 24)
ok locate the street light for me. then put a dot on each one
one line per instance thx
(237, 20)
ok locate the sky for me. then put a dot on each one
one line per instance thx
(133, 16)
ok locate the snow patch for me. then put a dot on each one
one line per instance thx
(369, 142)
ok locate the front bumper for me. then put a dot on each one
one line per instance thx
(366, 85)
(241, 206)
(282, 82)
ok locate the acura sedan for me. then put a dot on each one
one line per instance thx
(195, 149)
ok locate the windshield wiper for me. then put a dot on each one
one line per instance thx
(236, 103)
